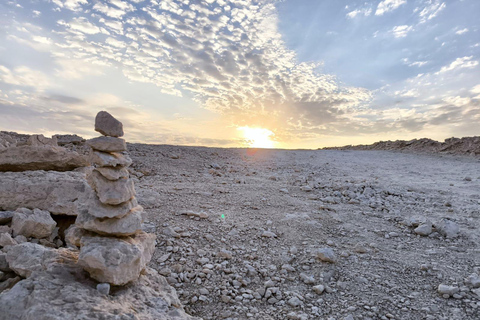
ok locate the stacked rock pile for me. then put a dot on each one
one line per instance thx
(113, 248)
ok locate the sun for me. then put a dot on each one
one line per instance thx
(258, 137)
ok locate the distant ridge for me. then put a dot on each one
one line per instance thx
(464, 146)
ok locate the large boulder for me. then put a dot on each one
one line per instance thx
(7, 141)
(117, 261)
(40, 157)
(124, 226)
(112, 192)
(34, 223)
(68, 294)
(107, 125)
(38, 140)
(58, 192)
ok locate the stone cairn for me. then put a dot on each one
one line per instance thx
(113, 247)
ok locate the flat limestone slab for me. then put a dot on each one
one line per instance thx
(57, 192)
(45, 157)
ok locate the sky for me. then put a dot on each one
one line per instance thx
(239, 73)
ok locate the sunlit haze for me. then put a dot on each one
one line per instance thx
(235, 73)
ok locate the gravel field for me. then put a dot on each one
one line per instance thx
(323, 234)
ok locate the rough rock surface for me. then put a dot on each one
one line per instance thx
(6, 141)
(57, 192)
(124, 226)
(91, 205)
(112, 192)
(28, 257)
(107, 125)
(112, 173)
(465, 146)
(114, 260)
(107, 144)
(38, 140)
(44, 157)
(37, 223)
(68, 294)
(114, 159)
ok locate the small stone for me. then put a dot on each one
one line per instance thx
(424, 229)
(307, 279)
(37, 223)
(103, 288)
(447, 290)
(225, 254)
(5, 216)
(268, 234)
(319, 289)
(107, 125)
(107, 144)
(326, 254)
(294, 302)
(447, 228)
(473, 280)
(6, 240)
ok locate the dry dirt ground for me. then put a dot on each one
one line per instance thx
(239, 232)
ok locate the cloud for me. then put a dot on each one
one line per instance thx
(430, 10)
(460, 32)
(24, 77)
(74, 5)
(388, 5)
(401, 31)
(459, 63)
(365, 12)
(81, 24)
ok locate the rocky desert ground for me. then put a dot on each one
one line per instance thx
(256, 234)
(324, 234)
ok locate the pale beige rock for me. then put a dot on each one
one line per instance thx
(113, 159)
(37, 223)
(94, 207)
(28, 257)
(6, 240)
(112, 192)
(57, 192)
(107, 125)
(116, 261)
(125, 226)
(38, 140)
(44, 157)
(74, 234)
(112, 173)
(71, 295)
(107, 144)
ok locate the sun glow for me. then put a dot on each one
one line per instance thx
(258, 137)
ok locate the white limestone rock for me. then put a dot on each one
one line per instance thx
(112, 192)
(28, 257)
(37, 223)
(104, 159)
(45, 157)
(57, 192)
(112, 173)
(107, 144)
(67, 294)
(107, 125)
(94, 207)
(447, 228)
(125, 226)
(117, 261)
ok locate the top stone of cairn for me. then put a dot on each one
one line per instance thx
(107, 125)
